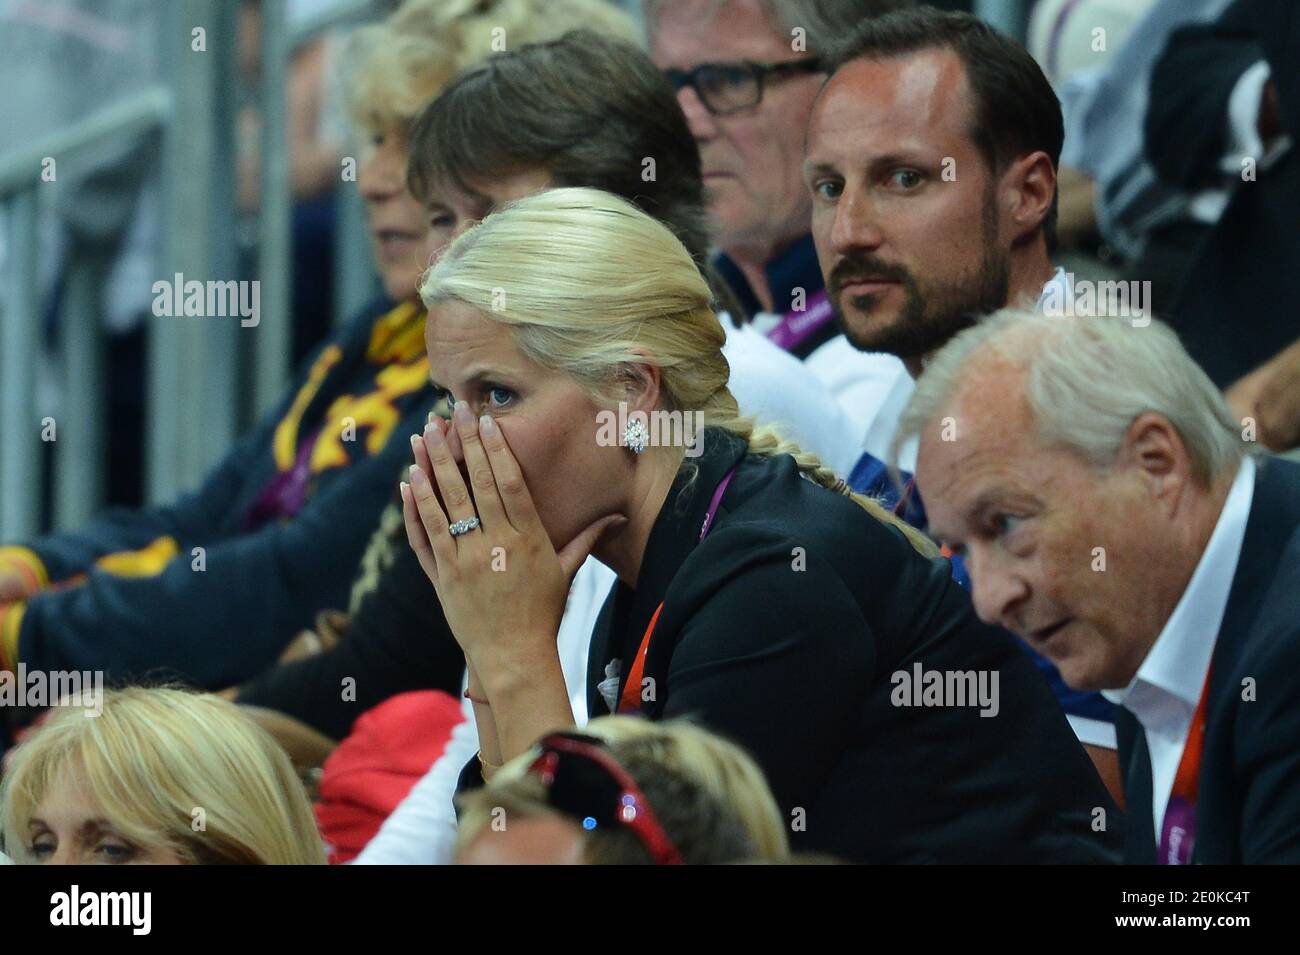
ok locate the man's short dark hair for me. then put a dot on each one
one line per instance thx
(587, 109)
(1016, 109)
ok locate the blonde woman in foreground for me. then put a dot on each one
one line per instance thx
(162, 776)
(625, 791)
(574, 334)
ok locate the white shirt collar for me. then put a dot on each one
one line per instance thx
(1176, 665)
(1059, 288)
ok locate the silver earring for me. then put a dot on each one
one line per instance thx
(636, 436)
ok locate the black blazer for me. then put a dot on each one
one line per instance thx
(1238, 306)
(1248, 805)
(797, 666)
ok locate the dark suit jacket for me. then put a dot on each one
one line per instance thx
(1238, 306)
(1248, 806)
(783, 630)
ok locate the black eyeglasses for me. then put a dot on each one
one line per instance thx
(584, 782)
(726, 88)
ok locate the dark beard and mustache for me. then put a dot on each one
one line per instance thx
(929, 318)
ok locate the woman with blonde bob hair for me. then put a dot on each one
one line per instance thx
(626, 791)
(592, 416)
(162, 775)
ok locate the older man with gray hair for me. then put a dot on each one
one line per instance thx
(746, 74)
(1114, 515)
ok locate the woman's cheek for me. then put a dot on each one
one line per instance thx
(519, 439)
(541, 462)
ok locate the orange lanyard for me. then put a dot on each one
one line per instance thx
(629, 700)
(1189, 767)
(1177, 837)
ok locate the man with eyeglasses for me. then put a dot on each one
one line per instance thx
(749, 107)
(747, 73)
(931, 162)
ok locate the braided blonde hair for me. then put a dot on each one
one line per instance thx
(591, 284)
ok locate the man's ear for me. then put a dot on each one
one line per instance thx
(641, 382)
(1154, 448)
(1030, 183)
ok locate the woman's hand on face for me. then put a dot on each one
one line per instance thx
(502, 585)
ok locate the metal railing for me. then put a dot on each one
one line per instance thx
(193, 377)
(19, 343)
(77, 484)
(193, 382)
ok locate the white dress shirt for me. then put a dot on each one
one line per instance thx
(775, 387)
(1244, 141)
(859, 380)
(1168, 684)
